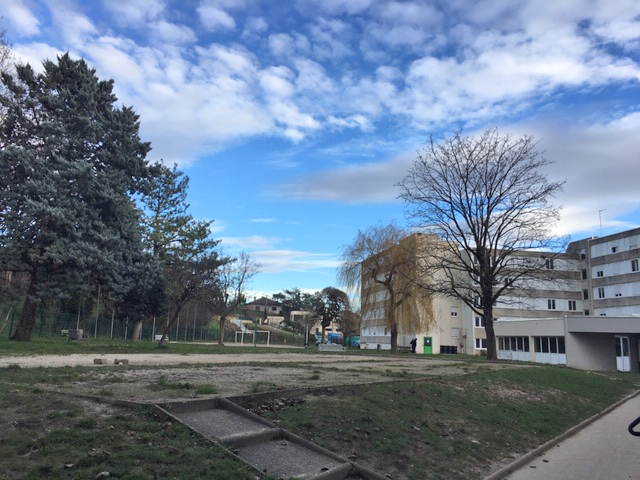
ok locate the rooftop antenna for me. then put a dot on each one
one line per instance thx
(600, 215)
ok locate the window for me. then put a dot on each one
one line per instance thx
(386, 331)
(618, 294)
(587, 312)
(600, 292)
(273, 309)
(603, 314)
(549, 345)
(634, 265)
(572, 305)
(614, 249)
(549, 263)
(584, 273)
(481, 343)
(479, 322)
(551, 304)
(454, 312)
(583, 254)
(585, 294)
(561, 345)
(455, 332)
(513, 344)
(600, 273)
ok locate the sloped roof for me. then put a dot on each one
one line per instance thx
(265, 301)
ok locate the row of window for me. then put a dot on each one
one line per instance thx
(600, 273)
(513, 344)
(540, 344)
(571, 304)
(598, 250)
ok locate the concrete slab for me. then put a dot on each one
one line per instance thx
(282, 458)
(220, 423)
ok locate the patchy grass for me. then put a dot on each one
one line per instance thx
(456, 427)
(61, 437)
(206, 390)
(61, 346)
(261, 386)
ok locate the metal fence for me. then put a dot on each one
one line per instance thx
(110, 325)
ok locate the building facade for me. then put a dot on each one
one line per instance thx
(558, 318)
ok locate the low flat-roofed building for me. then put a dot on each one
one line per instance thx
(582, 342)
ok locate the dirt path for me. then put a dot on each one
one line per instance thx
(151, 377)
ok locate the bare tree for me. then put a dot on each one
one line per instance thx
(226, 293)
(381, 261)
(488, 201)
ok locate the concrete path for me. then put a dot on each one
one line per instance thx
(603, 450)
(261, 444)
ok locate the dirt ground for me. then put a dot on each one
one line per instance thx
(162, 377)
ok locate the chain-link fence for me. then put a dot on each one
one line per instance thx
(190, 328)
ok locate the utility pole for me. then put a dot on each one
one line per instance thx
(600, 215)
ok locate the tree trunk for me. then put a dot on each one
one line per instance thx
(223, 320)
(393, 324)
(168, 327)
(28, 318)
(492, 354)
(137, 330)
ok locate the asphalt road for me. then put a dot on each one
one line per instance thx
(603, 450)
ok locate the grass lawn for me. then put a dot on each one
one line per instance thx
(453, 427)
(52, 436)
(61, 346)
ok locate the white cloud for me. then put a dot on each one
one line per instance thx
(21, 17)
(412, 13)
(273, 261)
(134, 12)
(255, 25)
(277, 81)
(172, 33)
(35, 53)
(76, 28)
(339, 6)
(263, 220)
(196, 97)
(250, 243)
(213, 18)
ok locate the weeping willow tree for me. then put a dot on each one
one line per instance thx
(381, 263)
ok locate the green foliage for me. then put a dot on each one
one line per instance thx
(330, 305)
(70, 162)
(182, 245)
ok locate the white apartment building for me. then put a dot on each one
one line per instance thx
(552, 321)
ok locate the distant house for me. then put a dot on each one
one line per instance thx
(272, 308)
(264, 304)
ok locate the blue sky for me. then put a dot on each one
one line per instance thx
(296, 119)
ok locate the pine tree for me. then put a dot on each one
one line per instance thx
(69, 162)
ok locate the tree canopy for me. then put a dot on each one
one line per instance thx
(486, 198)
(70, 161)
(181, 244)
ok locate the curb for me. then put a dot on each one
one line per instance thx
(527, 457)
